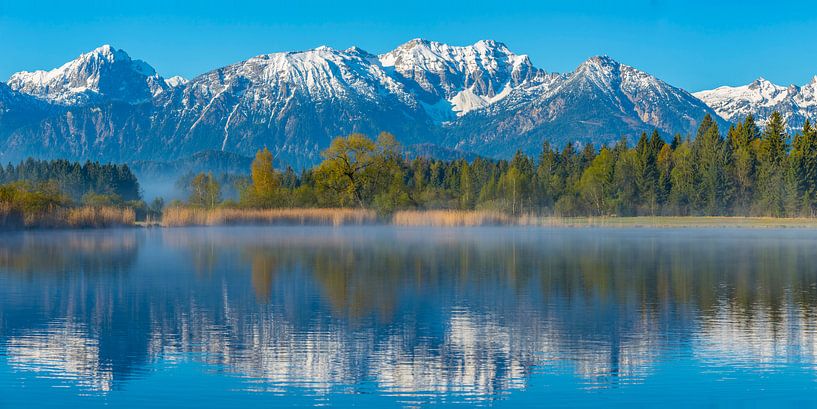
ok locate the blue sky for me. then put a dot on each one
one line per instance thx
(691, 44)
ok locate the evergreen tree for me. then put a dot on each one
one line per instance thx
(713, 158)
(647, 171)
(771, 195)
(665, 165)
(546, 185)
(802, 173)
(743, 141)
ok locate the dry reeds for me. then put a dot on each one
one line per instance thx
(192, 216)
(62, 217)
(452, 218)
(104, 216)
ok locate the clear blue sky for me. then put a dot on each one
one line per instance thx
(692, 44)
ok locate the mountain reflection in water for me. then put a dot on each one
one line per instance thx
(481, 315)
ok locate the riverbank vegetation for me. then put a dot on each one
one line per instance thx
(54, 194)
(199, 216)
(747, 172)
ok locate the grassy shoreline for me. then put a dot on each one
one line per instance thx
(191, 216)
(448, 219)
(185, 216)
(106, 217)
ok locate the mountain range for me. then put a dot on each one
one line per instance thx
(761, 98)
(480, 99)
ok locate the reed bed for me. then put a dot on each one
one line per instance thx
(104, 216)
(452, 218)
(192, 216)
(755, 222)
(66, 217)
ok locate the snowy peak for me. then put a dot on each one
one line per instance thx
(765, 87)
(599, 62)
(321, 74)
(619, 82)
(102, 74)
(599, 71)
(598, 102)
(603, 91)
(480, 97)
(176, 81)
(760, 98)
(468, 77)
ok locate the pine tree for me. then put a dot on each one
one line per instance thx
(713, 158)
(676, 141)
(808, 168)
(665, 166)
(743, 140)
(546, 192)
(801, 173)
(647, 171)
(771, 195)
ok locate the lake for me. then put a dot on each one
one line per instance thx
(408, 317)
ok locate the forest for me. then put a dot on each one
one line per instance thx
(60, 193)
(748, 171)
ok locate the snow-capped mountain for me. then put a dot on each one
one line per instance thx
(761, 98)
(481, 98)
(175, 81)
(104, 74)
(597, 103)
(292, 102)
(459, 79)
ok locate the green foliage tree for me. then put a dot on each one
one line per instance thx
(205, 191)
(355, 167)
(682, 177)
(596, 184)
(265, 190)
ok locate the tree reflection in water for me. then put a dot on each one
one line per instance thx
(421, 314)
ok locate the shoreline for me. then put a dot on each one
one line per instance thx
(197, 217)
(458, 218)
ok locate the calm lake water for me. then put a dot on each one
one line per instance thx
(402, 317)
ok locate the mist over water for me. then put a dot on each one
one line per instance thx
(409, 317)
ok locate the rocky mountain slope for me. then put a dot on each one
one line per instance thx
(481, 98)
(104, 74)
(761, 98)
(599, 102)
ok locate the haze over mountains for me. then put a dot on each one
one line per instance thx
(478, 99)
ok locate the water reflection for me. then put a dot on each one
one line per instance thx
(419, 315)
(62, 351)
